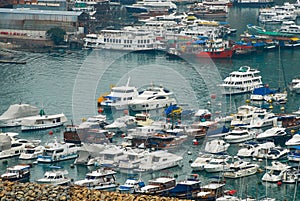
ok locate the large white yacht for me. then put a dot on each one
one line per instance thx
(242, 81)
(154, 97)
(128, 40)
(119, 97)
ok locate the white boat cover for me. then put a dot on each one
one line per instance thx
(17, 111)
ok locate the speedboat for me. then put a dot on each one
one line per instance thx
(294, 141)
(17, 173)
(56, 151)
(99, 179)
(119, 97)
(159, 160)
(55, 177)
(275, 172)
(131, 186)
(154, 97)
(242, 81)
(43, 121)
(277, 152)
(294, 85)
(272, 133)
(158, 186)
(15, 113)
(238, 135)
(216, 146)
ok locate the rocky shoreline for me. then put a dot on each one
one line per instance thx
(11, 191)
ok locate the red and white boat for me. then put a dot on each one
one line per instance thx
(216, 49)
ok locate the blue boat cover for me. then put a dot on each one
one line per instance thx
(264, 91)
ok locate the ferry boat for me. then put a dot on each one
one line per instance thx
(55, 152)
(43, 121)
(99, 179)
(242, 81)
(154, 97)
(127, 40)
(119, 97)
(55, 177)
(17, 173)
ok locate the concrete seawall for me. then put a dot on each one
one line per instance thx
(12, 191)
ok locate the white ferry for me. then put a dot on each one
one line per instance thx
(242, 81)
(126, 39)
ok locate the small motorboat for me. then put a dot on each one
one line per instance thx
(216, 146)
(274, 173)
(272, 133)
(131, 185)
(55, 177)
(17, 173)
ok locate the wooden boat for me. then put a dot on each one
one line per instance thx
(158, 186)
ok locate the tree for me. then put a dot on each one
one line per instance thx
(56, 35)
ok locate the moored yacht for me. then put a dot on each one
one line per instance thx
(242, 81)
(294, 85)
(17, 173)
(154, 97)
(99, 179)
(55, 177)
(119, 97)
(240, 135)
(158, 186)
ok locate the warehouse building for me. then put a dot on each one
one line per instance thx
(37, 22)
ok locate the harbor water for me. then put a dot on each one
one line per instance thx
(71, 81)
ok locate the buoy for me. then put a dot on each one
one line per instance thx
(213, 96)
(292, 131)
(83, 119)
(247, 101)
(189, 153)
(282, 108)
(271, 107)
(196, 142)
(100, 110)
(50, 132)
(123, 135)
(191, 160)
(208, 103)
(279, 183)
(270, 101)
(125, 112)
(72, 166)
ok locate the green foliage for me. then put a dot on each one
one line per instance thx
(56, 34)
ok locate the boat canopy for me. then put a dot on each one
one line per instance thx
(18, 111)
(264, 91)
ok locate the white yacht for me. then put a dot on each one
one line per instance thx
(274, 173)
(200, 161)
(119, 97)
(143, 119)
(55, 177)
(272, 133)
(289, 27)
(246, 149)
(159, 160)
(216, 146)
(43, 121)
(122, 124)
(99, 179)
(154, 97)
(15, 113)
(217, 165)
(56, 151)
(127, 40)
(241, 169)
(240, 135)
(245, 115)
(109, 157)
(31, 152)
(294, 141)
(242, 81)
(277, 152)
(294, 85)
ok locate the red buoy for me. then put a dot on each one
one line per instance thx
(100, 110)
(196, 142)
(279, 183)
(50, 132)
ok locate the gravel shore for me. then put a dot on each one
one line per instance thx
(11, 191)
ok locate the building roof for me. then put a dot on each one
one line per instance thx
(39, 12)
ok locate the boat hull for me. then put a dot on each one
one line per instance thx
(226, 54)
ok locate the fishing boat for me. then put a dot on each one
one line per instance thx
(100, 179)
(55, 177)
(158, 186)
(119, 97)
(17, 173)
(56, 151)
(215, 49)
(245, 80)
(15, 113)
(43, 121)
(154, 97)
